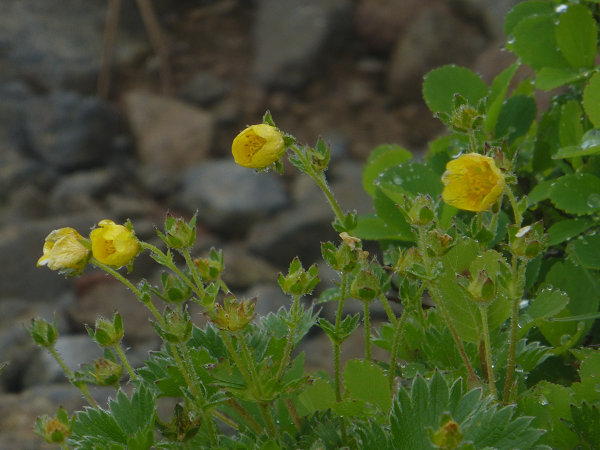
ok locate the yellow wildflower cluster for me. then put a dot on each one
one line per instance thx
(66, 250)
(472, 182)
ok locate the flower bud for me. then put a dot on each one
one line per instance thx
(179, 234)
(299, 281)
(482, 288)
(210, 268)
(174, 289)
(114, 245)
(527, 242)
(422, 210)
(107, 372)
(54, 430)
(233, 315)
(43, 333)
(365, 286)
(448, 436)
(107, 333)
(177, 327)
(258, 146)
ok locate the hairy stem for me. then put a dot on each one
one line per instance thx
(488, 349)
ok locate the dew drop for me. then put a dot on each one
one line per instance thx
(593, 201)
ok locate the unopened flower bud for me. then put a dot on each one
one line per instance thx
(299, 281)
(174, 289)
(107, 372)
(482, 288)
(233, 315)
(177, 327)
(179, 234)
(258, 146)
(211, 267)
(65, 250)
(107, 333)
(527, 242)
(43, 332)
(422, 210)
(365, 286)
(448, 436)
(54, 430)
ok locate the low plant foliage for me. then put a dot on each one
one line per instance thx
(496, 228)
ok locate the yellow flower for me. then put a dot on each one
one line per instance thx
(472, 182)
(112, 244)
(258, 146)
(64, 249)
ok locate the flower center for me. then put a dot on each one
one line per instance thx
(109, 247)
(253, 144)
(480, 181)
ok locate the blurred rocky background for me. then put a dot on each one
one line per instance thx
(349, 71)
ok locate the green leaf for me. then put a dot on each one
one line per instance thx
(566, 229)
(591, 99)
(515, 117)
(526, 9)
(590, 366)
(585, 251)
(498, 94)
(576, 36)
(549, 78)
(547, 303)
(388, 211)
(570, 129)
(442, 84)
(576, 193)
(414, 178)
(373, 228)
(319, 396)
(381, 159)
(589, 145)
(584, 297)
(540, 192)
(375, 391)
(535, 43)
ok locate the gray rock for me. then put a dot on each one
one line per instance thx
(205, 88)
(55, 44)
(74, 350)
(170, 135)
(230, 198)
(430, 41)
(77, 192)
(243, 269)
(20, 248)
(70, 131)
(101, 296)
(289, 37)
(491, 13)
(269, 298)
(380, 22)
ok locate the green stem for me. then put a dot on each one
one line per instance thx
(367, 326)
(170, 265)
(186, 375)
(517, 279)
(287, 351)
(82, 387)
(238, 362)
(437, 298)
(245, 415)
(337, 345)
(388, 309)
(133, 289)
(193, 269)
(293, 413)
(125, 362)
(268, 418)
(514, 205)
(251, 364)
(488, 349)
(398, 328)
(319, 178)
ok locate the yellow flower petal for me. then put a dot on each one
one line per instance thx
(64, 249)
(258, 146)
(472, 182)
(112, 244)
